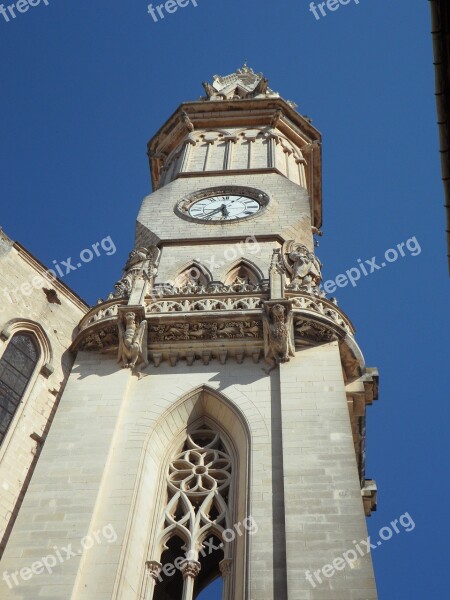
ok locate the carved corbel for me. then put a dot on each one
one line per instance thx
(276, 119)
(132, 327)
(278, 329)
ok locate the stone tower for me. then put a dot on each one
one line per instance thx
(214, 420)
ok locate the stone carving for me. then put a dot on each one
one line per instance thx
(240, 285)
(205, 304)
(277, 275)
(261, 87)
(190, 568)
(101, 340)
(132, 341)
(314, 331)
(102, 313)
(314, 305)
(304, 268)
(184, 118)
(276, 118)
(225, 567)
(209, 89)
(278, 332)
(141, 263)
(154, 569)
(206, 331)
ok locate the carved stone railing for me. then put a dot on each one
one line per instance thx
(106, 311)
(171, 305)
(311, 305)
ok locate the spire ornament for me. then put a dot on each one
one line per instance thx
(243, 84)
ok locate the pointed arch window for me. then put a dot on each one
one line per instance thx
(243, 276)
(197, 513)
(192, 278)
(17, 366)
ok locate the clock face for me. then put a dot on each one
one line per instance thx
(224, 208)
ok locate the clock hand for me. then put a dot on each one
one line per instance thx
(215, 211)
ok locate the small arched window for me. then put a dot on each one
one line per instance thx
(17, 366)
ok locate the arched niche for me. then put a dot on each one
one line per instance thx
(143, 545)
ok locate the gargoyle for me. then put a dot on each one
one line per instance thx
(132, 342)
(209, 89)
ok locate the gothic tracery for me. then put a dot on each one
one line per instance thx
(198, 487)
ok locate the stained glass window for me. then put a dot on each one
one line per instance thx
(16, 368)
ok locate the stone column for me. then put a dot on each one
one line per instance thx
(153, 571)
(190, 570)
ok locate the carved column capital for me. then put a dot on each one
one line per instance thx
(225, 566)
(190, 568)
(153, 569)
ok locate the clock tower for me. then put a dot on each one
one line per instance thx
(215, 415)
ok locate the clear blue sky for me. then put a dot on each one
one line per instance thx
(85, 84)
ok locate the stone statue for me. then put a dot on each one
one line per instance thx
(132, 342)
(303, 266)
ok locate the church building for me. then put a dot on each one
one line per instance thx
(208, 418)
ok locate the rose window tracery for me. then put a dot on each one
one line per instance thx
(202, 467)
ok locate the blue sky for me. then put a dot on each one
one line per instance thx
(85, 84)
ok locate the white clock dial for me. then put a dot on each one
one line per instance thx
(224, 208)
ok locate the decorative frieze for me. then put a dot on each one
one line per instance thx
(205, 331)
(312, 331)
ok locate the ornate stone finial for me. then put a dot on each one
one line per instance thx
(153, 569)
(278, 332)
(277, 275)
(132, 338)
(141, 264)
(190, 568)
(303, 267)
